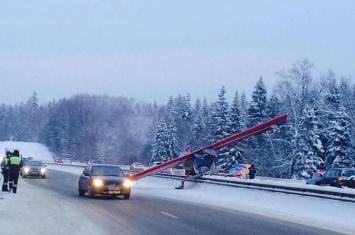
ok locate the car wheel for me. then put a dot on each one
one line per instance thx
(126, 196)
(81, 192)
(90, 192)
(24, 176)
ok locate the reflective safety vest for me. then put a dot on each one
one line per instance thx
(15, 160)
(4, 163)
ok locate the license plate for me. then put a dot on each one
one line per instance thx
(114, 192)
(111, 188)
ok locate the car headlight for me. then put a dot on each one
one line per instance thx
(43, 170)
(26, 169)
(98, 182)
(127, 183)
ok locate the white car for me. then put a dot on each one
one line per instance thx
(157, 163)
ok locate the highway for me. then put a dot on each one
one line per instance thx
(146, 214)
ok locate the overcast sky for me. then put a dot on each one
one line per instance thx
(151, 50)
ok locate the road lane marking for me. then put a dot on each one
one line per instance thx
(172, 216)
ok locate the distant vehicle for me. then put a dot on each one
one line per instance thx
(104, 179)
(68, 159)
(318, 176)
(34, 168)
(137, 166)
(176, 170)
(351, 182)
(156, 163)
(346, 176)
(331, 177)
(95, 162)
(59, 160)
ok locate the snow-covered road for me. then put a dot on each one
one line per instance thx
(323, 213)
(36, 211)
(48, 208)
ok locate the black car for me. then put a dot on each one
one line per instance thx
(104, 179)
(351, 182)
(34, 168)
(331, 177)
(346, 176)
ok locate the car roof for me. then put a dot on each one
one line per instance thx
(338, 169)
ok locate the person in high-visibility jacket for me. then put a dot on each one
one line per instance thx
(15, 164)
(5, 171)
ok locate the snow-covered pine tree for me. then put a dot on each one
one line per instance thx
(172, 141)
(257, 111)
(235, 125)
(243, 110)
(161, 143)
(339, 144)
(199, 134)
(256, 151)
(183, 119)
(306, 160)
(220, 126)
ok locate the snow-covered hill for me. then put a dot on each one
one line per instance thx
(35, 150)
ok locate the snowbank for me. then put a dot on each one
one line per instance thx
(35, 150)
(323, 213)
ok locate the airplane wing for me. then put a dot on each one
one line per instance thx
(233, 139)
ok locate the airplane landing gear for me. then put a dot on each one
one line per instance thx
(183, 180)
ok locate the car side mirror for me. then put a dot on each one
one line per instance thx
(45, 165)
(86, 174)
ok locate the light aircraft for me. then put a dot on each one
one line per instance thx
(202, 161)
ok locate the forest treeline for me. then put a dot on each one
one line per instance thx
(319, 132)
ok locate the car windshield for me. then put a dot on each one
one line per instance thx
(178, 167)
(348, 173)
(107, 170)
(34, 163)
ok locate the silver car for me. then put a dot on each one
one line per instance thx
(34, 168)
(318, 176)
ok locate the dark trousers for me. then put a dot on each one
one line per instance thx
(14, 174)
(5, 184)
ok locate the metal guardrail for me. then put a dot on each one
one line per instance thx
(291, 189)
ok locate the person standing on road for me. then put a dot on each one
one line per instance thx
(15, 164)
(252, 171)
(5, 171)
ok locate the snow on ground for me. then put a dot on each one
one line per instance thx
(324, 213)
(38, 211)
(329, 214)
